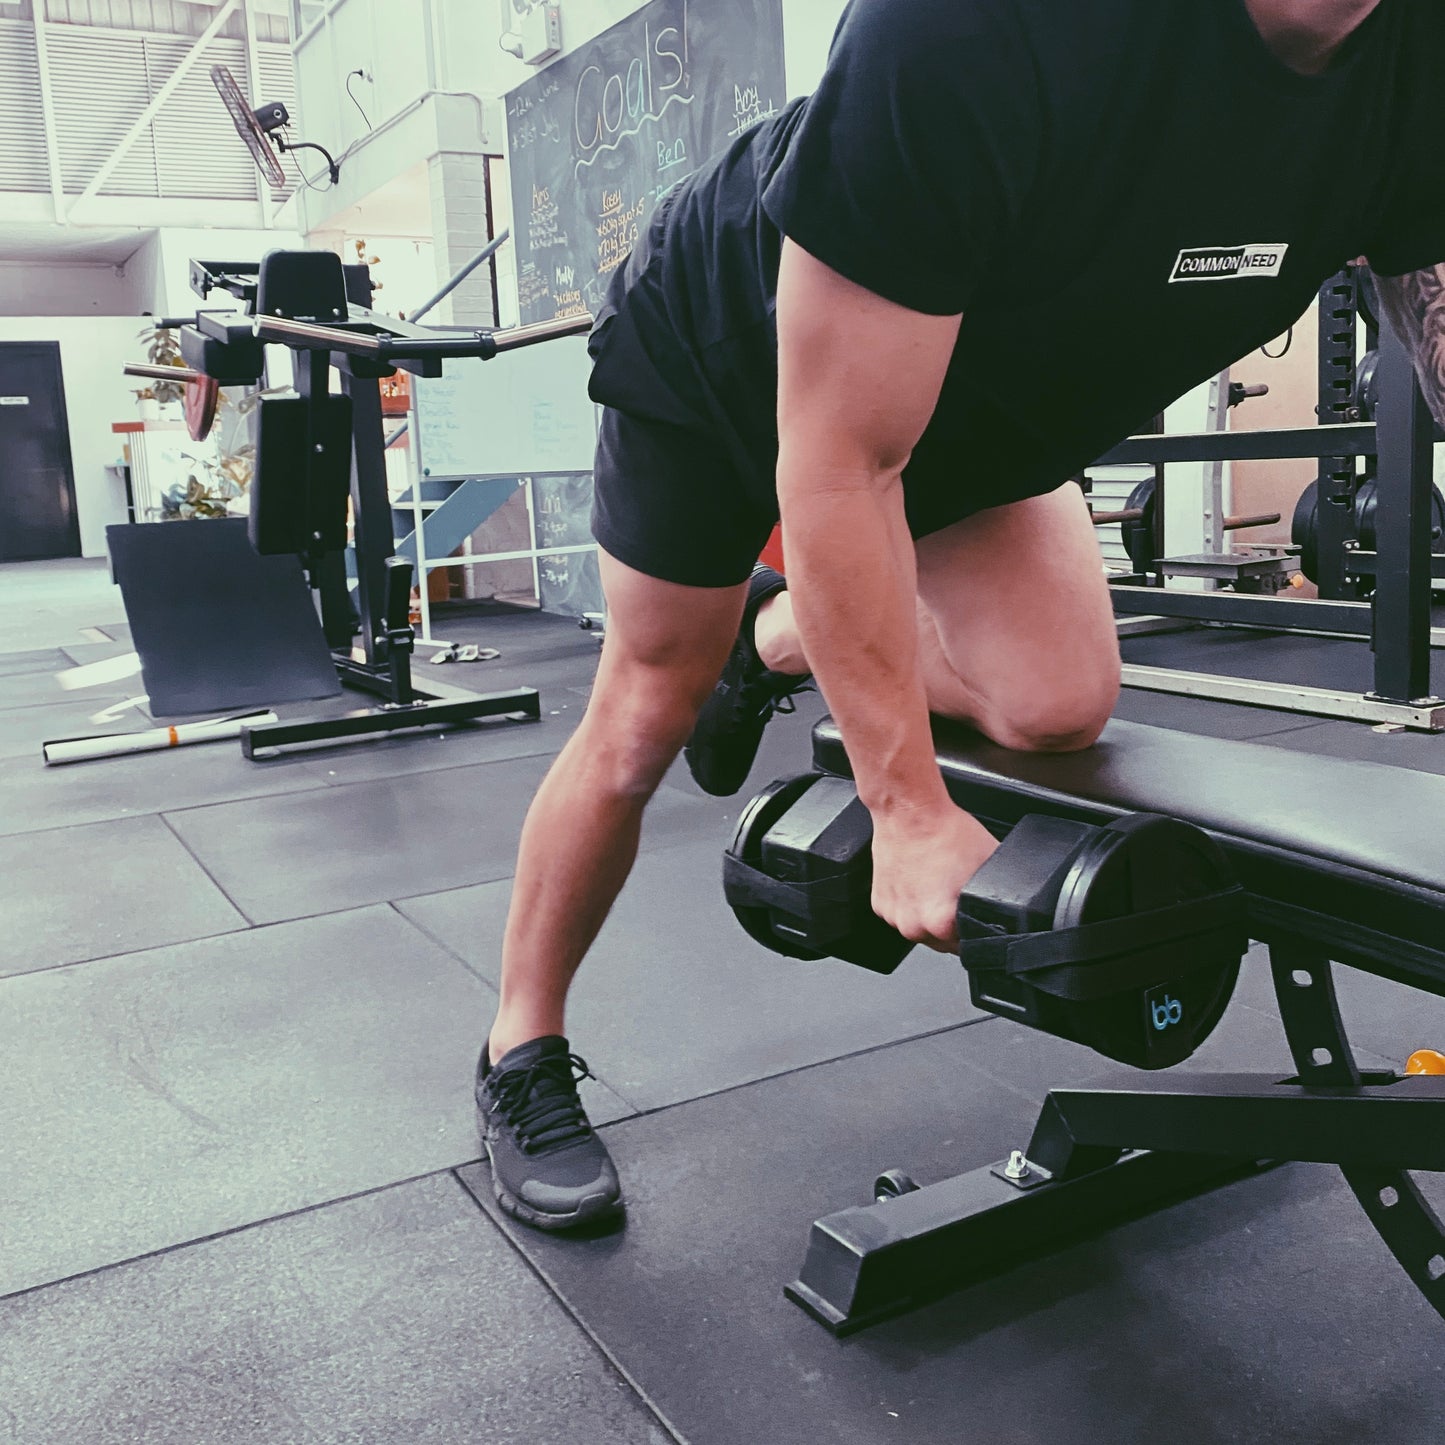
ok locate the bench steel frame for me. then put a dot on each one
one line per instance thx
(1133, 1142)
(1103, 1155)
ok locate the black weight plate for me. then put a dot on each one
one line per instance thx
(1138, 536)
(747, 844)
(1368, 501)
(1131, 866)
(1366, 397)
(1304, 531)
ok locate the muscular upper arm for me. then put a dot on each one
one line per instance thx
(1414, 304)
(858, 377)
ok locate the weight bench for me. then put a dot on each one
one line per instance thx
(1340, 862)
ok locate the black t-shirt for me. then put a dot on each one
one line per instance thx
(1122, 197)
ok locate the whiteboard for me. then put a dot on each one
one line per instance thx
(525, 411)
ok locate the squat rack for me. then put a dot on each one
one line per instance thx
(1396, 617)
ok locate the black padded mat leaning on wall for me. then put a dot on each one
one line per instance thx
(218, 628)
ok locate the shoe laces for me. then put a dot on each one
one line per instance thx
(770, 694)
(541, 1105)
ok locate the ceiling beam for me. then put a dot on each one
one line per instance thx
(47, 110)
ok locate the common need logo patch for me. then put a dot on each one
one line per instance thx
(1228, 263)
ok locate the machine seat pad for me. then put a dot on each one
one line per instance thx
(1348, 854)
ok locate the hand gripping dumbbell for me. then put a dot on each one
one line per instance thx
(1125, 937)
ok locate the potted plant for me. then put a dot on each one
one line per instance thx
(218, 486)
(163, 348)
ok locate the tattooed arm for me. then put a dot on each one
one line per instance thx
(1415, 306)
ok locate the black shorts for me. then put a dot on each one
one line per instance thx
(669, 502)
(685, 480)
(675, 502)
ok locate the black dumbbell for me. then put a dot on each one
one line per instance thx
(1126, 938)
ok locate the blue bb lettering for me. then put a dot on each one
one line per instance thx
(1168, 1013)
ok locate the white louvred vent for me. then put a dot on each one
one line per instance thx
(99, 86)
(277, 81)
(23, 166)
(197, 150)
(101, 82)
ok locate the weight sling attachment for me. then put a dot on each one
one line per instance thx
(1126, 938)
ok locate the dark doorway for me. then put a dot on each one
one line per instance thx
(37, 483)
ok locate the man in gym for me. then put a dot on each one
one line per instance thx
(999, 235)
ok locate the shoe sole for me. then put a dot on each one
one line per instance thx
(710, 786)
(593, 1208)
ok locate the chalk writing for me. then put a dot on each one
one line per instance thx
(544, 225)
(617, 231)
(603, 104)
(532, 285)
(749, 109)
(638, 108)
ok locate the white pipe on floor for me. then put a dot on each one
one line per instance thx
(114, 745)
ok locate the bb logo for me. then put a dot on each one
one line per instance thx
(1167, 1012)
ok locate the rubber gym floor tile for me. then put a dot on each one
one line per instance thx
(677, 1001)
(1205, 717)
(78, 654)
(22, 664)
(1269, 657)
(1358, 742)
(162, 1097)
(485, 742)
(1266, 1311)
(107, 888)
(34, 797)
(488, 741)
(395, 1319)
(23, 730)
(304, 853)
(40, 689)
(1383, 1020)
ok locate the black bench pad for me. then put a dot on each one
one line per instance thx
(1349, 856)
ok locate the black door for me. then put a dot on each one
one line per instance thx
(37, 485)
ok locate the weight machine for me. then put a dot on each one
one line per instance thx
(320, 475)
(1382, 591)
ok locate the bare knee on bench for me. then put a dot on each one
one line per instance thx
(1032, 700)
(1043, 715)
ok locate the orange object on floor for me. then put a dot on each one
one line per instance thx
(773, 553)
(1425, 1061)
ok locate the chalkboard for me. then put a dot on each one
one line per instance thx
(527, 411)
(596, 138)
(569, 582)
(562, 507)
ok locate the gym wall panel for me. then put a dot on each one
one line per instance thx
(62, 288)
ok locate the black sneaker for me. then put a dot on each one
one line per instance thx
(549, 1168)
(729, 728)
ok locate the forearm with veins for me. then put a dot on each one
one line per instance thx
(1415, 306)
